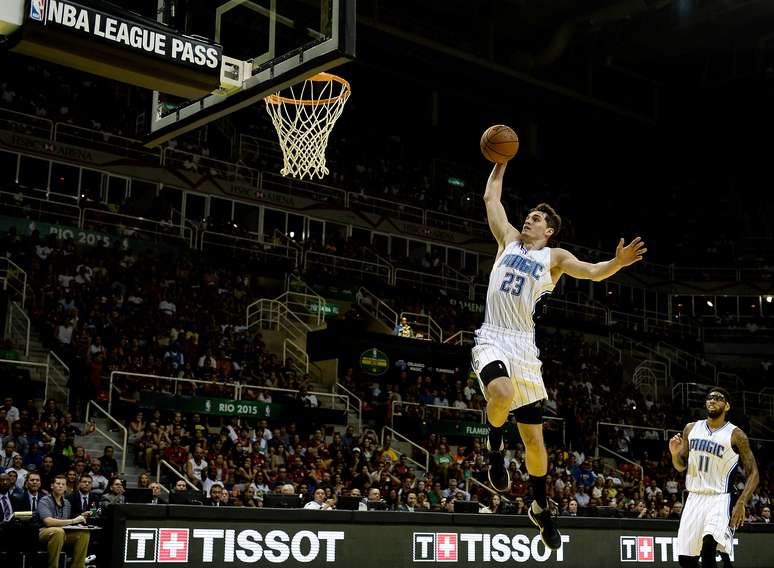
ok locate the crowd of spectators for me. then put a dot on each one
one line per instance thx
(173, 315)
(240, 464)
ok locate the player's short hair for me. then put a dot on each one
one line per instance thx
(553, 219)
(722, 391)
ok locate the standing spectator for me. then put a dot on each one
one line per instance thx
(109, 464)
(11, 412)
(403, 329)
(21, 473)
(196, 465)
(653, 492)
(99, 483)
(8, 455)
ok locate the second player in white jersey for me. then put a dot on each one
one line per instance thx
(519, 278)
(712, 460)
(710, 450)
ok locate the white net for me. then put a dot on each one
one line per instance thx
(304, 119)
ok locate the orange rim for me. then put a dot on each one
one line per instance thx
(279, 99)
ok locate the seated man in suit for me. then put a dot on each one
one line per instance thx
(53, 514)
(216, 494)
(28, 501)
(83, 500)
(158, 497)
(26, 534)
(182, 496)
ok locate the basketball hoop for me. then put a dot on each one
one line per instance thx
(304, 118)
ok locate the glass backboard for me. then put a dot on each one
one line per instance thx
(274, 43)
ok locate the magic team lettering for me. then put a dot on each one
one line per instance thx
(522, 264)
(708, 446)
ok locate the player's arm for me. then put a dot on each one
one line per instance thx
(502, 230)
(568, 263)
(678, 447)
(741, 444)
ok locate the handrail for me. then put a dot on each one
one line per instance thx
(320, 394)
(460, 338)
(237, 387)
(49, 124)
(357, 398)
(440, 407)
(123, 446)
(157, 377)
(397, 434)
(15, 308)
(470, 480)
(380, 307)
(617, 425)
(620, 457)
(434, 331)
(66, 374)
(171, 468)
(24, 363)
(296, 352)
(22, 289)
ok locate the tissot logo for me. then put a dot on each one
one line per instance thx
(208, 545)
(473, 547)
(654, 549)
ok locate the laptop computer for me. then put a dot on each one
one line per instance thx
(348, 503)
(137, 495)
(466, 507)
(274, 501)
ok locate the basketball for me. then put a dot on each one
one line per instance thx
(499, 143)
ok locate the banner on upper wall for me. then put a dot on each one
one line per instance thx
(137, 34)
(118, 44)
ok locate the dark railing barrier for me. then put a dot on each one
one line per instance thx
(230, 536)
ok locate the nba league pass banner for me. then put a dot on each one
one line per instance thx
(127, 31)
(306, 539)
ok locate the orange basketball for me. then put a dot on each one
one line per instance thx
(499, 143)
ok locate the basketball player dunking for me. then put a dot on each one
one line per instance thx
(710, 450)
(505, 356)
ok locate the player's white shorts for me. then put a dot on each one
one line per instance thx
(517, 350)
(702, 515)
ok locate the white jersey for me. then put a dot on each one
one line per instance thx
(711, 459)
(518, 280)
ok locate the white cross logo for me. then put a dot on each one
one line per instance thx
(447, 547)
(646, 549)
(173, 545)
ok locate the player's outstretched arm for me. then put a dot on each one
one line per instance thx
(502, 230)
(625, 256)
(678, 447)
(741, 444)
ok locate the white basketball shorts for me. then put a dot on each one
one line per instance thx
(517, 350)
(702, 515)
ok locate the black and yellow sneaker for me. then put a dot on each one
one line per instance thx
(499, 478)
(546, 523)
